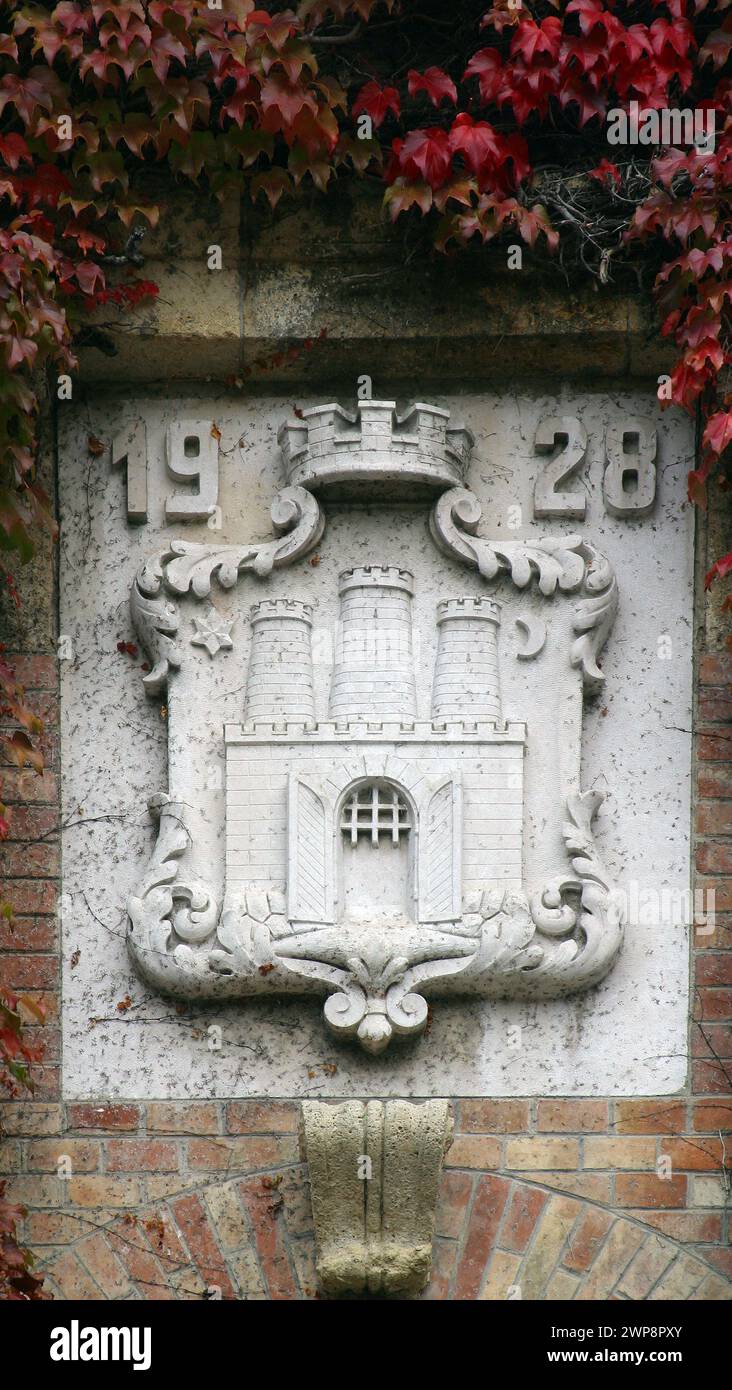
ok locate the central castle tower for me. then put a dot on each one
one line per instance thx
(373, 677)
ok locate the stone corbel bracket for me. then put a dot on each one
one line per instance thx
(563, 563)
(188, 568)
(375, 1169)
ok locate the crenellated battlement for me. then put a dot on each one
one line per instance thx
(483, 608)
(373, 448)
(376, 576)
(386, 730)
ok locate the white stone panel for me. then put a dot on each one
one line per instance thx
(627, 1035)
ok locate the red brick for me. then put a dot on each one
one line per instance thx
(710, 1116)
(715, 705)
(481, 1151)
(572, 1116)
(719, 939)
(452, 1203)
(690, 1227)
(72, 1278)
(262, 1117)
(444, 1259)
(714, 782)
(30, 972)
(34, 823)
(30, 896)
(164, 1240)
(27, 1118)
(523, 1213)
(47, 1083)
(585, 1243)
(647, 1190)
(101, 1262)
(29, 787)
(10, 1155)
(87, 1115)
(714, 857)
(715, 668)
(721, 1259)
(649, 1116)
(491, 1195)
(46, 705)
(714, 745)
(29, 860)
(34, 672)
(714, 818)
(28, 934)
(142, 1156)
(712, 1040)
(494, 1116)
(268, 1229)
(711, 1078)
(713, 1004)
(250, 1151)
(83, 1154)
(713, 968)
(48, 1040)
(173, 1117)
(130, 1244)
(722, 900)
(694, 1154)
(196, 1230)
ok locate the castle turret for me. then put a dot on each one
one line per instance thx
(466, 684)
(280, 676)
(374, 666)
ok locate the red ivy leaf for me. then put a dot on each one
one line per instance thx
(434, 82)
(718, 432)
(377, 102)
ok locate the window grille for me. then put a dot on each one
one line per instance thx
(375, 810)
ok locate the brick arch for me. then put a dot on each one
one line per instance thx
(249, 1237)
(498, 1236)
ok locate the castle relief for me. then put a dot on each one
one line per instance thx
(383, 778)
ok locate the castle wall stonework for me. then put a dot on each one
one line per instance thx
(159, 1159)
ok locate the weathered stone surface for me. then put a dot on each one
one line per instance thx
(374, 1171)
(467, 315)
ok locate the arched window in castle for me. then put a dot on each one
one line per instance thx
(376, 826)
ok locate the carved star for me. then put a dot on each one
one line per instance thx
(213, 632)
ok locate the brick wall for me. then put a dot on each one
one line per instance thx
(560, 1197)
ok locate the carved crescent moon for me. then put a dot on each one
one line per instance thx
(535, 632)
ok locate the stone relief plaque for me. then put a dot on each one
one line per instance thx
(376, 768)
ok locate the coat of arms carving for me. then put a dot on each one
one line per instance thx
(381, 783)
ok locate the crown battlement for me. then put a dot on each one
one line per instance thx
(373, 451)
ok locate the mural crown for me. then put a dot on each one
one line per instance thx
(373, 451)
